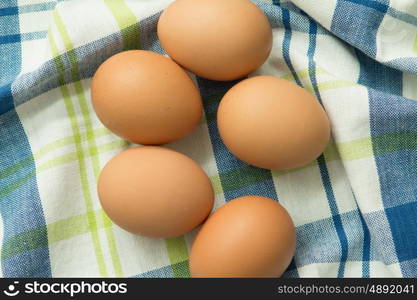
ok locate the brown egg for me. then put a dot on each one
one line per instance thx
(145, 97)
(216, 39)
(155, 192)
(250, 236)
(272, 123)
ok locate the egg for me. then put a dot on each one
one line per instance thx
(250, 236)
(216, 39)
(155, 192)
(272, 123)
(145, 98)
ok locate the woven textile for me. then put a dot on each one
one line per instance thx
(355, 207)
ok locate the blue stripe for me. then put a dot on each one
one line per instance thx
(378, 76)
(366, 251)
(371, 4)
(15, 10)
(321, 161)
(335, 214)
(21, 208)
(402, 16)
(27, 36)
(6, 99)
(34, 35)
(311, 63)
(9, 11)
(366, 247)
(287, 42)
(37, 7)
(10, 39)
(163, 272)
(358, 24)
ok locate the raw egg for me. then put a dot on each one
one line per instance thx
(155, 192)
(145, 97)
(250, 236)
(272, 123)
(216, 39)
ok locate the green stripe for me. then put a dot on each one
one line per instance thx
(181, 269)
(127, 22)
(23, 242)
(391, 142)
(415, 45)
(242, 177)
(70, 157)
(74, 226)
(323, 86)
(15, 185)
(80, 156)
(16, 167)
(61, 160)
(330, 85)
(347, 151)
(89, 130)
(217, 185)
(301, 74)
(79, 92)
(276, 173)
(177, 253)
(58, 231)
(69, 140)
(178, 249)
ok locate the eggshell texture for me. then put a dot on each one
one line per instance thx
(155, 192)
(145, 97)
(272, 123)
(250, 236)
(216, 39)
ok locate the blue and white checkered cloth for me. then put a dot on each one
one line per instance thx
(355, 207)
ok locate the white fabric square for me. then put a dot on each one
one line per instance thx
(379, 269)
(406, 6)
(341, 187)
(139, 253)
(33, 53)
(100, 23)
(143, 9)
(322, 12)
(306, 204)
(395, 39)
(275, 64)
(410, 86)
(364, 179)
(74, 257)
(353, 269)
(319, 270)
(34, 21)
(348, 109)
(343, 63)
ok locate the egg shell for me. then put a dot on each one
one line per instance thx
(145, 97)
(272, 123)
(250, 236)
(154, 191)
(216, 39)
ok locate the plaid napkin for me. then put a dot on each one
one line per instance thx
(355, 207)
